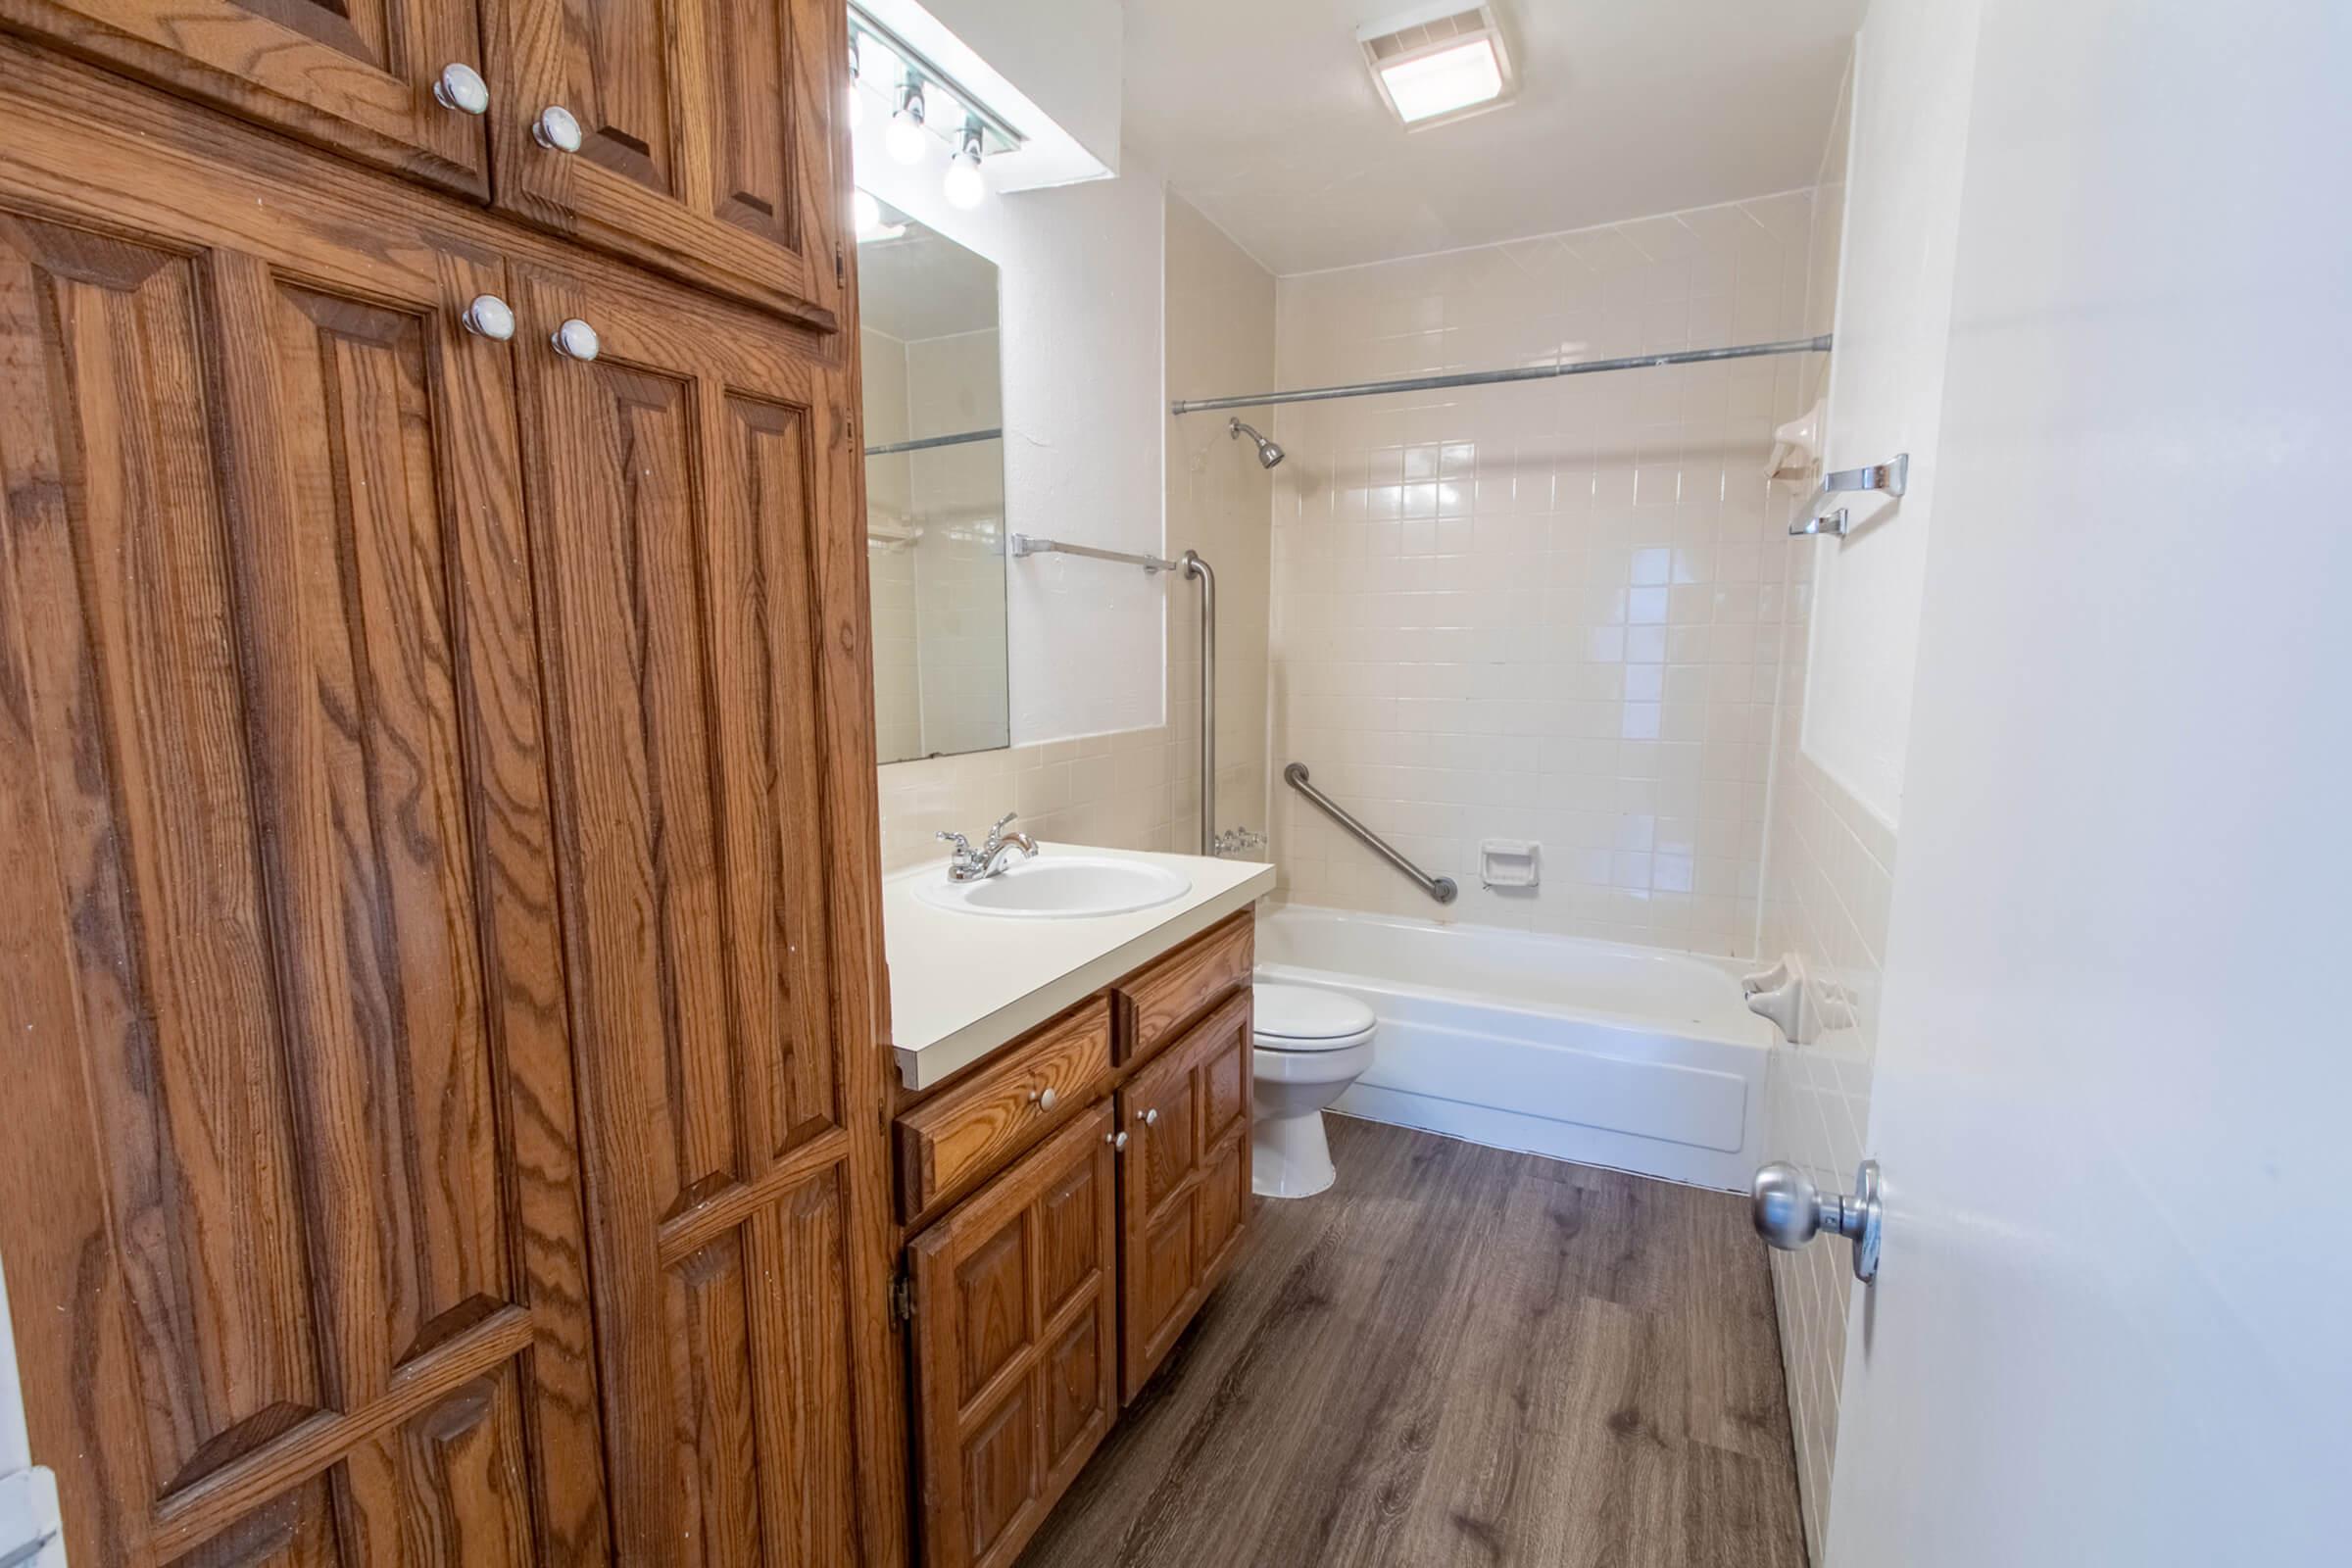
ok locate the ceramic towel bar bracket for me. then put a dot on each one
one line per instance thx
(1891, 477)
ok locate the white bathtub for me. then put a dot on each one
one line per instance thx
(1589, 1051)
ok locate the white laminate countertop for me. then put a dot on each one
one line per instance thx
(961, 985)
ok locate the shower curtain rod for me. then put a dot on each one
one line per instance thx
(1530, 372)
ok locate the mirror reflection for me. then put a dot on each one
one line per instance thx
(934, 488)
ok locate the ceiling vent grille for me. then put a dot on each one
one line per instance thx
(1439, 62)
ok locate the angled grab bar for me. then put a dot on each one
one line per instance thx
(1439, 888)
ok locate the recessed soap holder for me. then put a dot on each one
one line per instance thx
(1509, 863)
(1891, 477)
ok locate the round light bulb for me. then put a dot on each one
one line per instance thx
(905, 139)
(964, 186)
(867, 210)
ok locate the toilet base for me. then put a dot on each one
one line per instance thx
(1289, 1156)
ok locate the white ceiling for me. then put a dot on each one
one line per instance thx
(1261, 115)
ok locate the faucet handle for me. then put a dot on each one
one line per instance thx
(962, 844)
(995, 833)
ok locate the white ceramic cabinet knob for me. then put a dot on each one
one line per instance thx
(1150, 1118)
(575, 339)
(1045, 1099)
(1115, 1140)
(556, 131)
(460, 87)
(489, 316)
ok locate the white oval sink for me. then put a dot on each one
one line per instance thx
(1059, 887)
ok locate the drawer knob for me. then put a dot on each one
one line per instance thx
(556, 129)
(1044, 1099)
(1150, 1118)
(575, 339)
(1115, 1140)
(489, 316)
(460, 87)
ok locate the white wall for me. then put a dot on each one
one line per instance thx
(1080, 291)
(1910, 133)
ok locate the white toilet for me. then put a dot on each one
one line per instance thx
(1311, 1045)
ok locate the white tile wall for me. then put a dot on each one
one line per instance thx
(1829, 876)
(1139, 789)
(1541, 610)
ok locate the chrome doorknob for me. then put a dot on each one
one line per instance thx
(556, 129)
(1045, 1099)
(489, 316)
(460, 87)
(1789, 1212)
(575, 339)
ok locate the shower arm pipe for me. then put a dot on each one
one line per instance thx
(1439, 888)
(1526, 372)
(1192, 565)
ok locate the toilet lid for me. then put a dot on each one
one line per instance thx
(1306, 1015)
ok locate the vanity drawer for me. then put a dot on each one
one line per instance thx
(1160, 1000)
(949, 1142)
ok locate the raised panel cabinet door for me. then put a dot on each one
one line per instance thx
(291, 1209)
(1016, 1345)
(701, 636)
(695, 136)
(354, 76)
(1183, 1184)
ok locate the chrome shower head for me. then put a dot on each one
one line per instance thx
(1269, 454)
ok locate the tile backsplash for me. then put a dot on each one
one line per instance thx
(1541, 610)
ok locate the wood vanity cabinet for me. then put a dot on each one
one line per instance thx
(1078, 1239)
(1018, 1354)
(695, 136)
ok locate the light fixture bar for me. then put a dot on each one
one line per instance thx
(919, 65)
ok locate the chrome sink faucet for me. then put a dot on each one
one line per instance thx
(968, 865)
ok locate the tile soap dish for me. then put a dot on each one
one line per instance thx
(1509, 863)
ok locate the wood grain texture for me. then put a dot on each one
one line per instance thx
(353, 76)
(1161, 998)
(1461, 1356)
(1015, 1345)
(1184, 1183)
(323, 1071)
(274, 687)
(949, 1142)
(709, 148)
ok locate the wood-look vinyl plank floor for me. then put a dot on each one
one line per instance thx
(1461, 1355)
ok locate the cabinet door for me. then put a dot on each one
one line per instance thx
(1184, 1180)
(694, 553)
(705, 130)
(289, 1207)
(1014, 1342)
(355, 76)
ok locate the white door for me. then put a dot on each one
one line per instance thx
(2113, 1105)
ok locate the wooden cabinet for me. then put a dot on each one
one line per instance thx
(1015, 1346)
(355, 76)
(1184, 1183)
(436, 787)
(705, 137)
(300, 1257)
(1046, 1298)
(700, 132)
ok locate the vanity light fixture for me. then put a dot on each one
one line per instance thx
(905, 138)
(965, 187)
(1439, 63)
(872, 223)
(925, 104)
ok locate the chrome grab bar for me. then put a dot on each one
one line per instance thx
(1439, 888)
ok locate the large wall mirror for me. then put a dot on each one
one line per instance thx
(934, 488)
